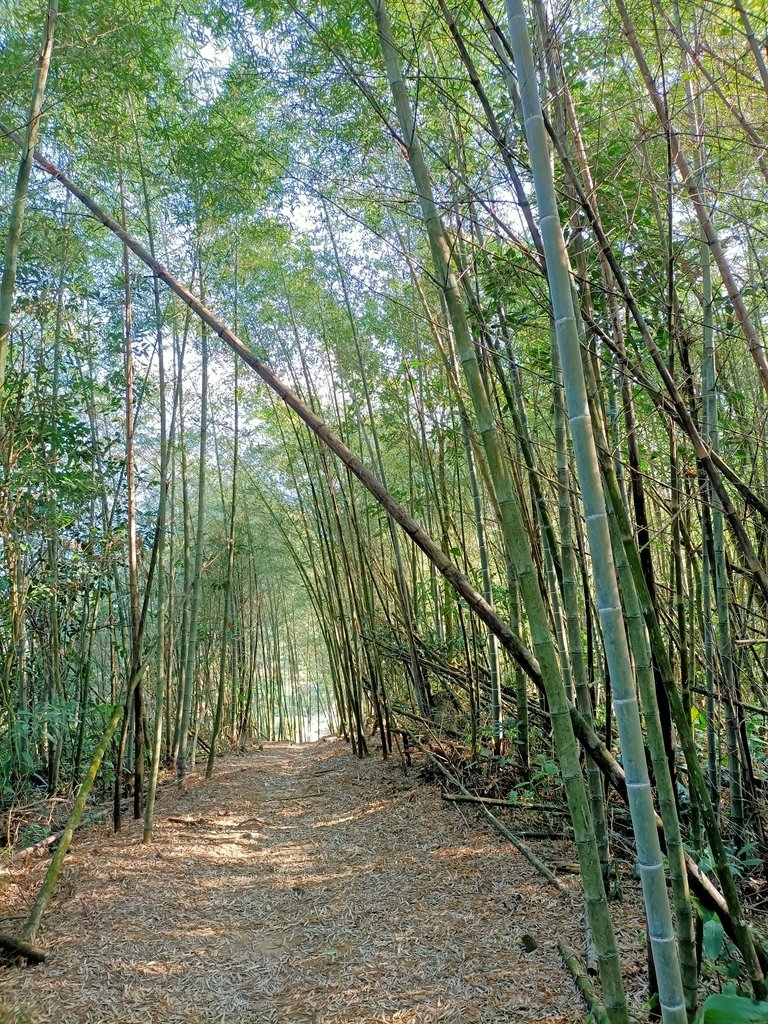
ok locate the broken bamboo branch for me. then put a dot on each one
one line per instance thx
(500, 827)
(583, 982)
(17, 949)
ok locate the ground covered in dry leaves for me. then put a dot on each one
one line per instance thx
(299, 886)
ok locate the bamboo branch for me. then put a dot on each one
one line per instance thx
(501, 828)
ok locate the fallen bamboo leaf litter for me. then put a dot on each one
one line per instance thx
(374, 901)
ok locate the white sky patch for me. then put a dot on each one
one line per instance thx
(208, 60)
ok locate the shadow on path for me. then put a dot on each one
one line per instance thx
(299, 886)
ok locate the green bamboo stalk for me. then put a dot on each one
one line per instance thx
(684, 924)
(371, 438)
(157, 735)
(754, 45)
(712, 466)
(16, 222)
(515, 537)
(701, 207)
(711, 433)
(482, 547)
(604, 571)
(54, 868)
(230, 572)
(713, 745)
(730, 898)
(197, 583)
(648, 687)
(583, 982)
(571, 607)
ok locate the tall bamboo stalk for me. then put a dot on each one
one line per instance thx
(190, 654)
(515, 537)
(16, 222)
(604, 572)
(162, 610)
(226, 622)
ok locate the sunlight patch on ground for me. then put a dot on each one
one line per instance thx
(372, 901)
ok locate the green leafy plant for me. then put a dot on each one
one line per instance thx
(731, 1008)
(720, 956)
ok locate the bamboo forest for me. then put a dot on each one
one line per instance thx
(384, 511)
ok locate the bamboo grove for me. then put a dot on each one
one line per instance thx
(508, 266)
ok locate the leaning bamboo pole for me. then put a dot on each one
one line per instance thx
(48, 887)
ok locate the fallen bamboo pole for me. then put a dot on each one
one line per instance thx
(491, 801)
(17, 949)
(583, 982)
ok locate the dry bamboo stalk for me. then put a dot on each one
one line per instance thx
(17, 949)
(494, 802)
(583, 982)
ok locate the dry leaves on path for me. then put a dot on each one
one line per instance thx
(299, 886)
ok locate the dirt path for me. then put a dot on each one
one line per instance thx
(304, 886)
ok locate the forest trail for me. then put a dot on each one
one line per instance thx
(298, 885)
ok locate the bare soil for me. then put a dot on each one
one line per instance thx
(299, 886)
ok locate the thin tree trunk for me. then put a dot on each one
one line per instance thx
(16, 223)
